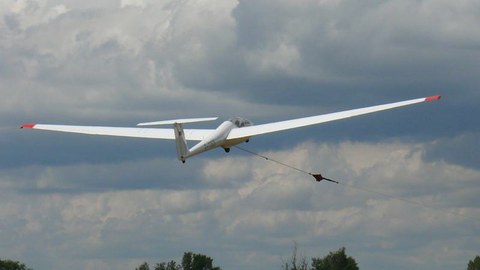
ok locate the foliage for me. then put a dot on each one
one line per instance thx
(143, 266)
(190, 261)
(12, 265)
(171, 265)
(337, 260)
(475, 264)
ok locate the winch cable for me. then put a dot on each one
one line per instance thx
(317, 176)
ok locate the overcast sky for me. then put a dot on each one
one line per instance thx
(82, 202)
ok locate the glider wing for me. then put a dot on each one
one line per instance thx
(249, 131)
(152, 133)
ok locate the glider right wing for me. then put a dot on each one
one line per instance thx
(246, 132)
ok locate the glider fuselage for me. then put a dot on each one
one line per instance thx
(218, 138)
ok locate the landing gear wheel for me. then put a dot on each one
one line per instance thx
(226, 150)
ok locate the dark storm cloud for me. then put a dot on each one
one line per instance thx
(365, 50)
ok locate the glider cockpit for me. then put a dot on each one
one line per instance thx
(240, 122)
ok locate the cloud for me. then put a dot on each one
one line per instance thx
(160, 60)
(462, 149)
(101, 60)
(270, 208)
(364, 45)
(102, 177)
(127, 53)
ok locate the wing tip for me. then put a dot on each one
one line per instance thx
(28, 126)
(430, 98)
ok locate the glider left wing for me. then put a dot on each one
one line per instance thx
(246, 132)
(151, 133)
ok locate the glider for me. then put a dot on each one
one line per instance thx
(232, 132)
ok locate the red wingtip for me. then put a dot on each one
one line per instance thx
(27, 126)
(433, 98)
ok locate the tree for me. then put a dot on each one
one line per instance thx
(293, 264)
(337, 260)
(143, 266)
(172, 265)
(193, 261)
(12, 265)
(187, 261)
(475, 264)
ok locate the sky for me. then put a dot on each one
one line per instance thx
(410, 176)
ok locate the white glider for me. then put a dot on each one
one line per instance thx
(229, 133)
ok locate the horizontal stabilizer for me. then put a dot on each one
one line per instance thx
(178, 121)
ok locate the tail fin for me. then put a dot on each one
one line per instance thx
(182, 148)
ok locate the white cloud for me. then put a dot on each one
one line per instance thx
(99, 61)
(134, 3)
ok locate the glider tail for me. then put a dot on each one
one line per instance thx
(182, 148)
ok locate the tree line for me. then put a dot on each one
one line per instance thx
(336, 260)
